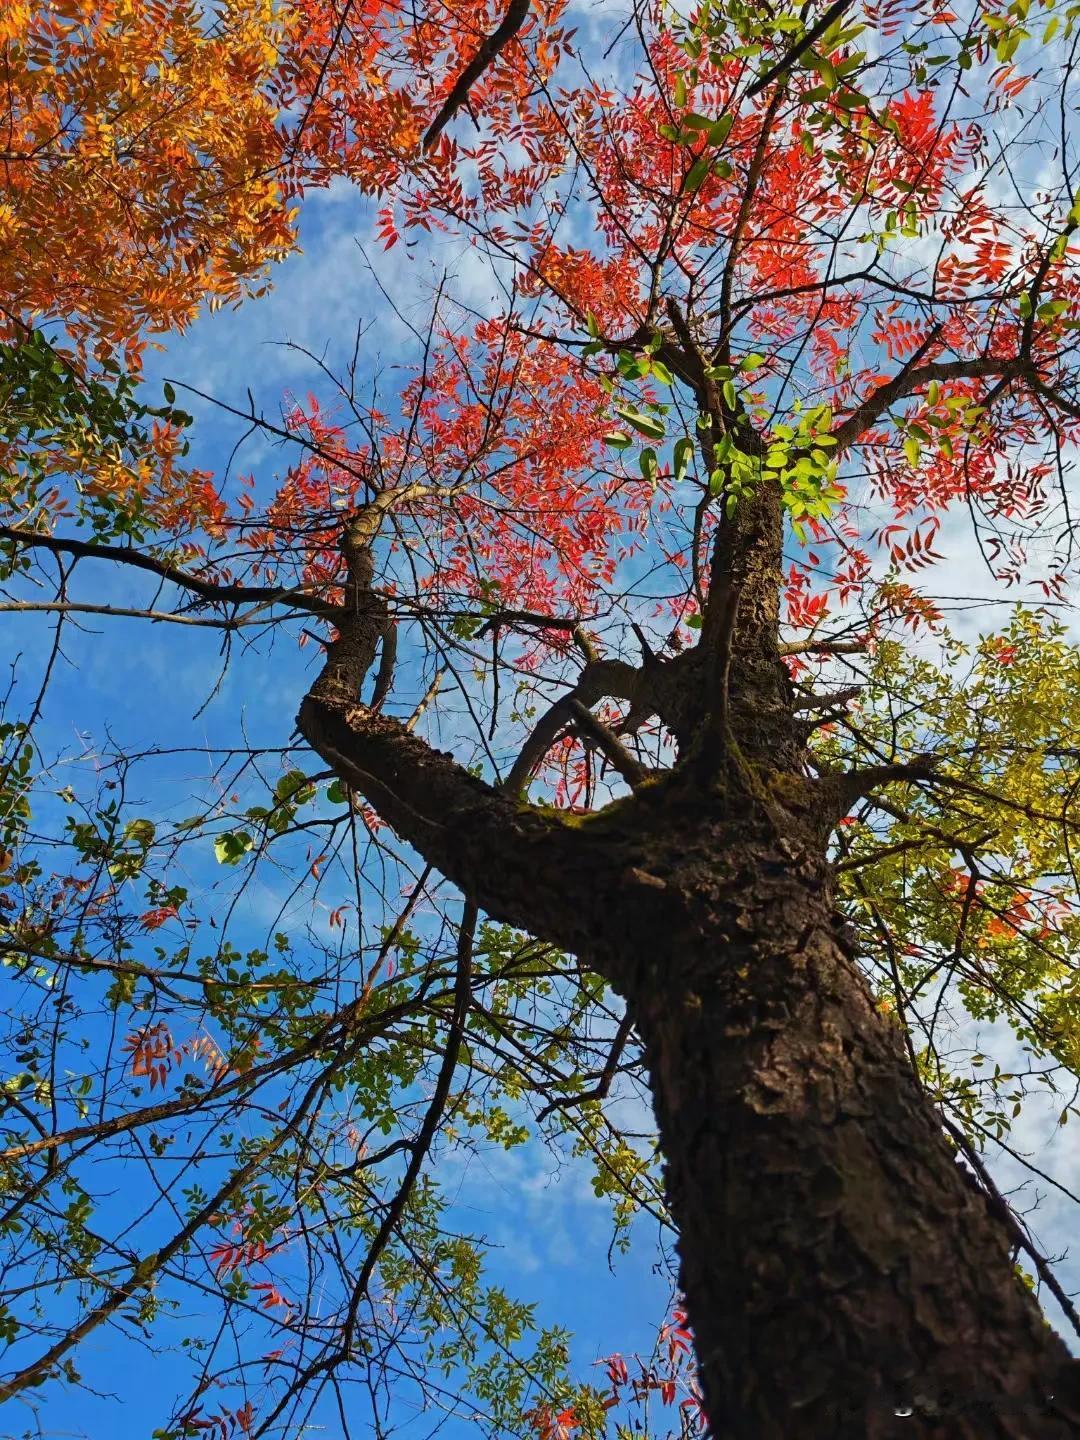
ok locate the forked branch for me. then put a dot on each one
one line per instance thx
(512, 860)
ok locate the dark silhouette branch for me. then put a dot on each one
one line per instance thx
(603, 1085)
(792, 56)
(212, 591)
(489, 49)
(913, 378)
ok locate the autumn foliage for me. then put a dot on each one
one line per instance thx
(143, 134)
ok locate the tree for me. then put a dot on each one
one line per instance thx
(798, 255)
(144, 134)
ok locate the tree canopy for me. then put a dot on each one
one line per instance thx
(644, 676)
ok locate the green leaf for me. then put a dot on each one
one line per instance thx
(697, 173)
(232, 847)
(631, 367)
(647, 425)
(617, 440)
(824, 68)
(719, 132)
(141, 831)
(289, 784)
(336, 794)
(684, 453)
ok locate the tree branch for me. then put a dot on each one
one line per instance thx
(825, 647)
(608, 743)
(147, 1270)
(599, 680)
(1005, 1213)
(838, 792)
(489, 49)
(604, 1082)
(210, 590)
(826, 702)
(387, 658)
(792, 56)
(120, 612)
(518, 863)
(910, 379)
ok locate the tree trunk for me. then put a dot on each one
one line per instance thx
(843, 1272)
(841, 1269)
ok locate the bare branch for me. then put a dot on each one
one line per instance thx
(210, 590)
(608, 743)
(603, 1085)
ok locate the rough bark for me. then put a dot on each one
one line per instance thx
(839, 1263)
(841, 1269)
(844, 1274)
